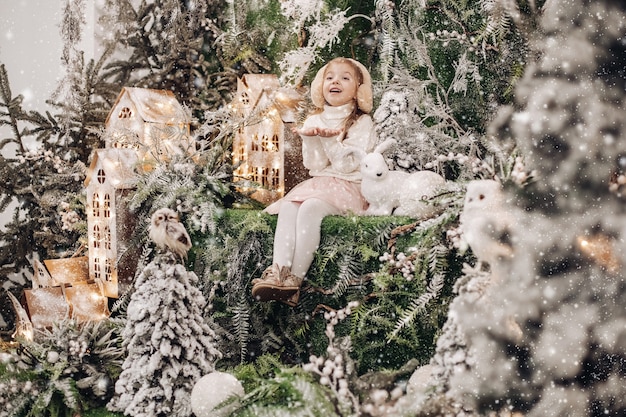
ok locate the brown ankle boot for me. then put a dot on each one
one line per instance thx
(277, 283)
(293, 300)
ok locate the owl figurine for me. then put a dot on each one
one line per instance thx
(169, 233)
(485, 222)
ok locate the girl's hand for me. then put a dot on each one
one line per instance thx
(319, 131)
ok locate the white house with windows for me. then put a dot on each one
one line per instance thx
(151, 121)
(110, 178)
(265, 150)
(143, 124)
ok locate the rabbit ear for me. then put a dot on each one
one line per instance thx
(383, 146)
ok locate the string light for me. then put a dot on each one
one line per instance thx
(599, 248)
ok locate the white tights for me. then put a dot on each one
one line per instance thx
(297, 235)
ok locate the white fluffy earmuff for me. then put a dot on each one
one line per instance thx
(364, 94)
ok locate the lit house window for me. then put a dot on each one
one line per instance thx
(275, 175)
(254, 143)
(275, 143)
(108, 270)
(97, 273)
(96, 236)
(245, 99)
(107, 206)
(96, 205)
(264, 174)
(125, 113)
(107, 238)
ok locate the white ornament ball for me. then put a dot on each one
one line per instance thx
(52, 356)
(213, 389)
(419, 382)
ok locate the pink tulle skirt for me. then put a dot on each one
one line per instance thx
(345, 195)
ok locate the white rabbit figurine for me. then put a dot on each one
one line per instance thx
(396, 192)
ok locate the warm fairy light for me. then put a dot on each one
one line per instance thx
(599, 248)
(280, 96)
(26, 334)
(95, 296)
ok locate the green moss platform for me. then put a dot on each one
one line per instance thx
(398, 273)
(392, 324)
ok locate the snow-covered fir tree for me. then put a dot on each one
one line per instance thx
(565, 286)
(169, 343)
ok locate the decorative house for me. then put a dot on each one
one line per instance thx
(110, 225)
(265, 150)
(151, 121)
(61, 290)
(143, 124)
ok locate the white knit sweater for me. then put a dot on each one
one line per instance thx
(333, 156)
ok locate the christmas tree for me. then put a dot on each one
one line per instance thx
(168, 342)
(563, 291)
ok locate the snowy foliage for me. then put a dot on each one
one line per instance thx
(64, 369)
(562, 292)
(405, 114)
(323, 30)
(436, 62)
(464, 69)
(168, 342)
(499, 13)
(43, 181)
(165, 44)
(198, 193)
(334, 369)
(546, 340)
(452, 355)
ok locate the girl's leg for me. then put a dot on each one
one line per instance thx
(307, 233)
(276, 283)
(296, 239)
(285, 233)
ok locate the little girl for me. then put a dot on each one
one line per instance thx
(332, 140)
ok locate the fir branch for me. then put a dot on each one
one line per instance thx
(349, 269)
(322, 32)
(241, 324)
(13, 107)
(390, 39)
(499, 14)
(464, 67)
(438, 259)
(247, 252)
(272, 342)
(418, 305)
